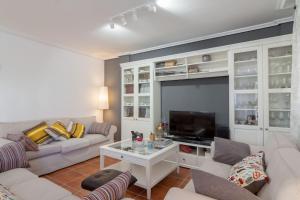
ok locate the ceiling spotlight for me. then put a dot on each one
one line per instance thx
(123, 20)
(134, 15)
(112, 25)
(154, 8)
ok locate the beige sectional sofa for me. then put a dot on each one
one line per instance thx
(283, 168)
(27, 186)
(59, 154)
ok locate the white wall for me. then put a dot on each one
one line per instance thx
(38, 81)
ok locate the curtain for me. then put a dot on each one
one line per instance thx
(296, 74)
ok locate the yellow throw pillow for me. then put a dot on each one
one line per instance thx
(37, 133)
(77, 130)
(60, 130)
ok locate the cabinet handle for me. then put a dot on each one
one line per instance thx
(261, 129)
(266, 129)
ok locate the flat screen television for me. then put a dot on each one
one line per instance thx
(189, 124)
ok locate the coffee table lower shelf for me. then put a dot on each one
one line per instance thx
(158, 171)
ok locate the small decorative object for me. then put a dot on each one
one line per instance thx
(136, 135)
(251, 120)
(170, 63)
(193, 70)
(206, 58)
(185, 148)
(152, 137)
(159, 130)
(150, 145)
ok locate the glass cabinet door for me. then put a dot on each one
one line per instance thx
(128, 81)
(245, 88)
(144, 77)
(279, 86)
(128, 93)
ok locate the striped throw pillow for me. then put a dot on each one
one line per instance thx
(58, 131)
(77, 130)
(38, 134)
(13, 155)
(113, 190)
(99, 128)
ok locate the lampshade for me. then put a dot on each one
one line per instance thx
(103, 98)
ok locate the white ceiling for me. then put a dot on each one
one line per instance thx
(82, 25)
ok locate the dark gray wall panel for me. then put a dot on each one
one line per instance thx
(206, 95)
(113, 81)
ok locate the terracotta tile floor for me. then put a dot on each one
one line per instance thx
(70, 178)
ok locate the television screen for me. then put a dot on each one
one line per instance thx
(192, 124)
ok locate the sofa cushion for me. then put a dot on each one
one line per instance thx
(37, 188)
(16, 176)
(26, 141)
(219, 188)
(230, 152)
(95, 138)
(87, 121)
(44, 150)
(277, 141)
(284, 174)
(71, 197)
(15, 127)
(179, 194)
(216, 168)
(73, 144)
(4, 142)
(99, 128)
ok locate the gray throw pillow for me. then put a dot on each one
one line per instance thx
(219, 188)
(230, 152)
(26, 141)
(99, 128)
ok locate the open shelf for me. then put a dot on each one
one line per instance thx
(198, 66)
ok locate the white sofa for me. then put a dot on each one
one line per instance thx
(283, 167)
(27, 186)
(61, 154)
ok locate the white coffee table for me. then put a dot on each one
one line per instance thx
(148, 166)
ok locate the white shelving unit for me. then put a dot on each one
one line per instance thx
(138, 99)
(260, 84)
(190, 67)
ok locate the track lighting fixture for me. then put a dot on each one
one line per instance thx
(112, 25)
(134, 15)
(121, 18)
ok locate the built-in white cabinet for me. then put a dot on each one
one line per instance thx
(260, 87)
(138, 100)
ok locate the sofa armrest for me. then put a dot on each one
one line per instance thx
(112, 131)
(4, 141)
(179, 194)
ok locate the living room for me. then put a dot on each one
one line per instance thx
(149, 99)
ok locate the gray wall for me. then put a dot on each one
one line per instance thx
(112, 67)
(113, 81)
(206, 95)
